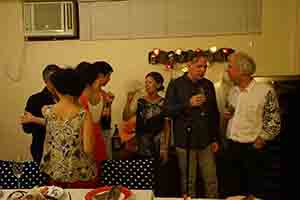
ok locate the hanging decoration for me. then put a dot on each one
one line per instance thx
(179, 56)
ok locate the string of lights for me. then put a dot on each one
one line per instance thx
(171, 58)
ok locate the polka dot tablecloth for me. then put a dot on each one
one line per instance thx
(133, 174)
(30, 177)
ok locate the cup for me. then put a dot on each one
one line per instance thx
(228, 111)
(229, 108)
(200, 91)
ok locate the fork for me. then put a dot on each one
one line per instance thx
(70, 197)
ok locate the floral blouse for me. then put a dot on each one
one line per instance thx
(150, 121)
(64, 159)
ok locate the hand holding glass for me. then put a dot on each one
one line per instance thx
(229, 111)
(201, 96)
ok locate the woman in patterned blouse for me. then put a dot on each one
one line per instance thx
(68, 156)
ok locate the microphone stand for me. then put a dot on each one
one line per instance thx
(188, 130)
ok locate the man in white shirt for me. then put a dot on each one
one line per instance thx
(253, 119)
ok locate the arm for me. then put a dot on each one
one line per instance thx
(29, 118)
(32, 107)
(165, 139)
(127, 112)
(128, 127)
(172, 104)
(87, 133)
(214, 119)
(271, 117)
(108, 99)
(215, 115)
(165, 135)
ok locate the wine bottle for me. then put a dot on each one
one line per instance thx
(105, 120)
(116, 140)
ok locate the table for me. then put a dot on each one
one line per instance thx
(79, 194)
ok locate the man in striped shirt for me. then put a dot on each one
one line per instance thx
(253, 119)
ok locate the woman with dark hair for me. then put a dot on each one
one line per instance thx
(148, 120)
(94, 76)
(69, 144)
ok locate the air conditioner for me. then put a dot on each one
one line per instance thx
(50, 19)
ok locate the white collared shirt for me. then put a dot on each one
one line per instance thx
(256, 113)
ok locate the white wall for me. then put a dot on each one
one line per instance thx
(23, 62)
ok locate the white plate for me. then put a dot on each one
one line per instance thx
(122, 196)
(54, 192)
(238, 197)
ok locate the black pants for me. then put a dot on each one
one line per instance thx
(167, 176)
(243, 168)
(36, 153)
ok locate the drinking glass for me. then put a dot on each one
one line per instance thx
(229, 108)
(201, 91)
(17, 168)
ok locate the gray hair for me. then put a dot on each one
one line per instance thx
(49, 70)
(195, 58)
(244, 62)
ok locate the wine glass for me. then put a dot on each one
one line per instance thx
(17, 168)
(201, 92)
(229, 108)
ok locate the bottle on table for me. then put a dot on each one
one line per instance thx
(105, 120)
(116, 140)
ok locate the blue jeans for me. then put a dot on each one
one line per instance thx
(206, 161)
